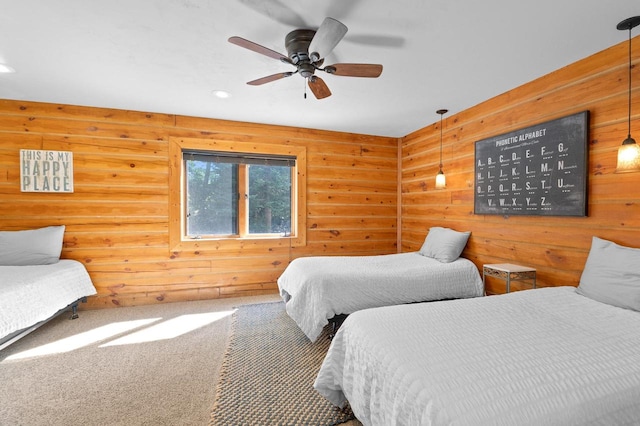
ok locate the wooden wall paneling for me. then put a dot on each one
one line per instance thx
(117, 220)
(36, 109)
(556, 246)
(118, 217)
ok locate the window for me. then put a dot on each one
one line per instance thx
(241, 194)
(229, 193)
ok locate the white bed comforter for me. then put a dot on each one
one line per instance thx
(539, 357)
(316, 289)
(30, 294)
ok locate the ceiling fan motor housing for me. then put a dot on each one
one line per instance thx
(297, 44)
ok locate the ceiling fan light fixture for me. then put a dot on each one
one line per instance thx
(306, 70)
(629, 151)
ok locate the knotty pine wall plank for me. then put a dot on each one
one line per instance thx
(556, 246)
(117, 218)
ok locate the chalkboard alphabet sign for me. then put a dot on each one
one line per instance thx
(538, 170)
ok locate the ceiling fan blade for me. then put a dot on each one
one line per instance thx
(355, 70)
(326, 38)
(377, 40)
(239, 41)
(343, 9)
(277, 11)
(269, 78)
(319, 87)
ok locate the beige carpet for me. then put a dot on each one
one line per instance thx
(268, 373)
(149, 365)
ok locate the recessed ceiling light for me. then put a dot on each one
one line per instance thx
(222, 94)
(6, 69)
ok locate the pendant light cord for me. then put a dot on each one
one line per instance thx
(629, 115)
(441, 142)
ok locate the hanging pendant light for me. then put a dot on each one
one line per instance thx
(629, 151)
(441, 181)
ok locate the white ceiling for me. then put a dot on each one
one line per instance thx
(168, 56)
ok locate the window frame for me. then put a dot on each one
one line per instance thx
(178, 240)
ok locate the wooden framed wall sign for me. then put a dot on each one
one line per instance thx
(538, 170)
(46, 171)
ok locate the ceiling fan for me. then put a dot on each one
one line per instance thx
(306, 51)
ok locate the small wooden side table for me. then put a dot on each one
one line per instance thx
(509, 272)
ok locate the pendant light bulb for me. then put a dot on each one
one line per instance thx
(441, 180)
(629, 151)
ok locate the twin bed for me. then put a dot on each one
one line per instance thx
(35, 285)
(319, 289)
(552, 356)
(32, 295)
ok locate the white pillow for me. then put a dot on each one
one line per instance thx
(444, 244)
(32, 247)
(612, 274)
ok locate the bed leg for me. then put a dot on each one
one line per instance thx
(74, 307)
(74, 311)
(336, 322)
(333, 330)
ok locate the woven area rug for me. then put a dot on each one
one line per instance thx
(268, 372)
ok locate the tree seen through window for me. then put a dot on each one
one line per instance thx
(220, 193)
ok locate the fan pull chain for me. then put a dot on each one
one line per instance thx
(305, 87)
